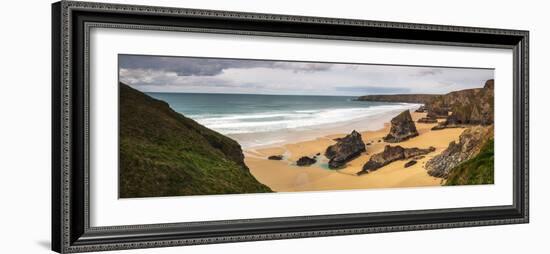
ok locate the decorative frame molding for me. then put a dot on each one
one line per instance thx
(71, 23)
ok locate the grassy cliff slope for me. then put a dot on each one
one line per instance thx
(478, 170)
(163, 153)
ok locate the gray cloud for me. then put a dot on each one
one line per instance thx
(428, 72)
(188, 66)
(212, 75)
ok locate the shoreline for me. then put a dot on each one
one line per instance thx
(376, 121)
(285, 176)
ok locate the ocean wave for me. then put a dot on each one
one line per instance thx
(292, 120)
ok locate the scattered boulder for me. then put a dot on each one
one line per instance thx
(391, 154)
(345, 149)
(275, 157)
(427, 120)
(305, 161)
(468, 146)
(402, 128)
(317, 154)
(410, 163)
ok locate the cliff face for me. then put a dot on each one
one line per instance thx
(478, 170)
(163, 153)
(407, 98)
(470, 106)
(469, 145)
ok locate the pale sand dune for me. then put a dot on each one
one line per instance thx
(283, 176)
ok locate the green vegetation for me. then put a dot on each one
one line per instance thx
(478, 170)
(163, 153)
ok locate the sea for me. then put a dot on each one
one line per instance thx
(257, 121)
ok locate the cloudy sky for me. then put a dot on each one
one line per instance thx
(213, 75)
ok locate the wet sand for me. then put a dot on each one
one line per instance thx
(285, 176)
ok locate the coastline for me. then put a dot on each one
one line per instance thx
(373, 121)
(285, 176)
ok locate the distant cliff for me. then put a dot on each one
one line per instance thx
(163, 153)
(463, 107)
(407, 98)
(469, 106)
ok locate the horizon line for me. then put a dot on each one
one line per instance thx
(326, 95)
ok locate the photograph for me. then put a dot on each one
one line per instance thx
(211, 126)
(214, 124)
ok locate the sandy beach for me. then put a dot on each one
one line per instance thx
(285, 176)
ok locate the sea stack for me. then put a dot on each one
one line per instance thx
(345, 149)
(402, 128)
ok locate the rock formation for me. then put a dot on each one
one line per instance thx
(391, 154)
(345, 149)
(305, 161)
(467, 107)
(468, 146)
(410, 163)
(275, 157)
(402, 128)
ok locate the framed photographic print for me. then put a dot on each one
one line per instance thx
(181, 126)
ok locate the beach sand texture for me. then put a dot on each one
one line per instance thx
(285, 176)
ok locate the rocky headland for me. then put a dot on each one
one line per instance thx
(464, 107)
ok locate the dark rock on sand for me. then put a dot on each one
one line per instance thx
(275, 157)
(391, 154)
(402, 128)
(410, 163)
(470, 143)
(305, 161)
(345, 149)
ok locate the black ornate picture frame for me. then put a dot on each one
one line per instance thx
(71, 23)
